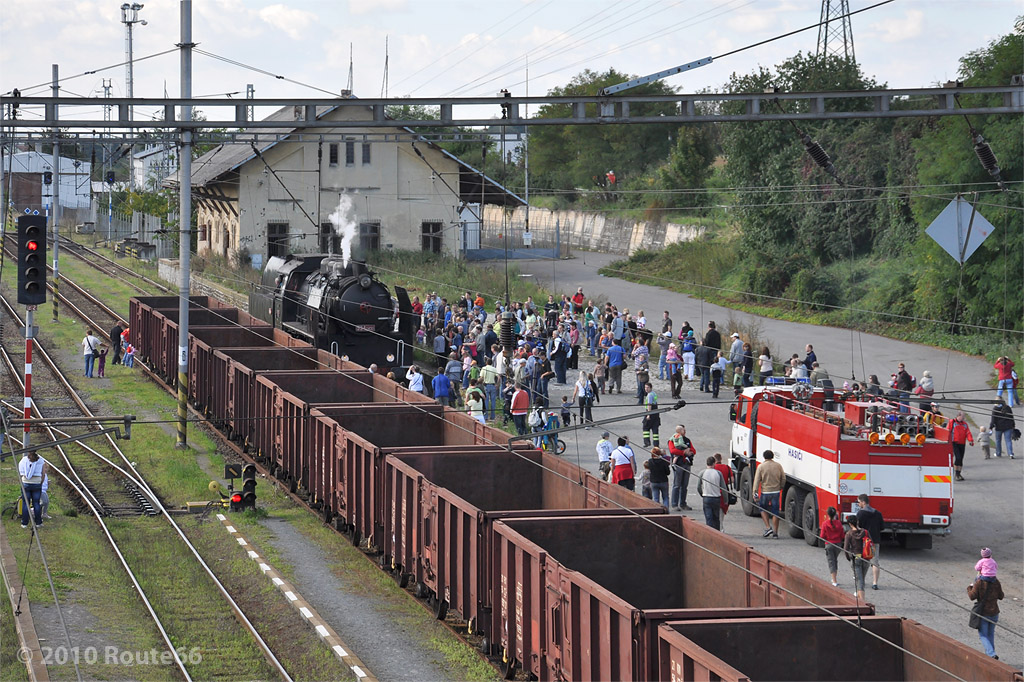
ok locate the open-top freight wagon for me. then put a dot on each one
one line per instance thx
(567, 577)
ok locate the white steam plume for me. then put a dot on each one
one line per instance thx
(344, 226)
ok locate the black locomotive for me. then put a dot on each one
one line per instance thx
(341, 308)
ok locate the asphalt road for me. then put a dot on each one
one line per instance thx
(925, 585)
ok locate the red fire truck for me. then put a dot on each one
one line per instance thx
(833, 447)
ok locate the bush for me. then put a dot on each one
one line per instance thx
(815, 287)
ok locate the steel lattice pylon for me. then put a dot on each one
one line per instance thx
(835, 34)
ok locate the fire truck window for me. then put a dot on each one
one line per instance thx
(742, 417)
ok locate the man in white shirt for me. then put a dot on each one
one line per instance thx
(624, 465)
(31, 470)
(604, 455)
(415, 379)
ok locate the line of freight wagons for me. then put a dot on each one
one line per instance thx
(565, 576)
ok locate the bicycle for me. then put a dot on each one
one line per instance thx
(546, 444)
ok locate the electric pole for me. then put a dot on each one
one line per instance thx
(184, 222)
(55, 88)
(835, 33)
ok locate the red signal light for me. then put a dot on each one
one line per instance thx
(32, 246)
(236, 498)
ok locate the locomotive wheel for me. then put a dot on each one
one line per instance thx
(747, 494)
(293, 485)
(810, 517)
(793, 510)
(355, 535)
(403, 578)
(421, 591)
(441, 609)
(485, 645)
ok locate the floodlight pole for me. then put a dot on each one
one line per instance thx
(184, 222)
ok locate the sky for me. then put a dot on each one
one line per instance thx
(451, 48)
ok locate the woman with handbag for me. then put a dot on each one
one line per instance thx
(985, 591)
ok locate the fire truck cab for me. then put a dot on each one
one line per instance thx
(834, 446)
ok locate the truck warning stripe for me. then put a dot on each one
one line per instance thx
(936, 479)
(853, 477)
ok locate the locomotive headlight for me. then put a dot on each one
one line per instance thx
(365, 281)
(391, 357)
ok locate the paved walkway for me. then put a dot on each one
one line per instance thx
(989, 507)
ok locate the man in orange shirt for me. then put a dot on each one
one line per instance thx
(520, 406)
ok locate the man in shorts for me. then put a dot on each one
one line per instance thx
(769, 479)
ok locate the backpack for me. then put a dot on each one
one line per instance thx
(688, 345)
(535, 419)
(867, 551)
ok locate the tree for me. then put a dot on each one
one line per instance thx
(793, 213)
(579, 156)
(987, 290)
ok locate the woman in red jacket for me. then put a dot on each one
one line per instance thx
(833, 534)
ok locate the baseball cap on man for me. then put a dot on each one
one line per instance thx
(735, 335)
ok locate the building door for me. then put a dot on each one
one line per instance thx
(432, 235)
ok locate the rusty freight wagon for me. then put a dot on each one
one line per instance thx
(233, 378)
(144, 327)
(874, 649)
(441, 510)
(346, 450)
(582, 599)
(282, 401)
(203, 341)
(164, 358)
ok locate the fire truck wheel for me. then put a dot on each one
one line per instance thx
(793, 510)
(810, 517)
(746, 494)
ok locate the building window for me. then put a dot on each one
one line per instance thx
(277, 239)
(203, 233)
(431, 235)
(366, 153)
(369, 236)
(330, 242)
(350, 153)
(332, 154)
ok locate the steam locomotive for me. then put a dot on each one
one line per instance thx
(340, 307)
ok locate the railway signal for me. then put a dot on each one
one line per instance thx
(31, 259)
(248, 500)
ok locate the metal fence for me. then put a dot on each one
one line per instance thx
(549, 238)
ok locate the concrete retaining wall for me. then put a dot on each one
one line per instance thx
(169, 272)
(591, 231)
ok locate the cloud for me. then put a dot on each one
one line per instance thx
(357, 7)
(294, 22)
(899, 30)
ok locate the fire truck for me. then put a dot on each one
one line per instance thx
(834, 446)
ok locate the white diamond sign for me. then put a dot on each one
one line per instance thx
(959, 229)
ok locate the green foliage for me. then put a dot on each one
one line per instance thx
(791, 204)
(564, 157)
(816, 286)
(987, 291)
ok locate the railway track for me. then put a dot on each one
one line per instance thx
(110, 267)
(107, 485)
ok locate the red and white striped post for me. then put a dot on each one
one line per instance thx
(29, 329)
